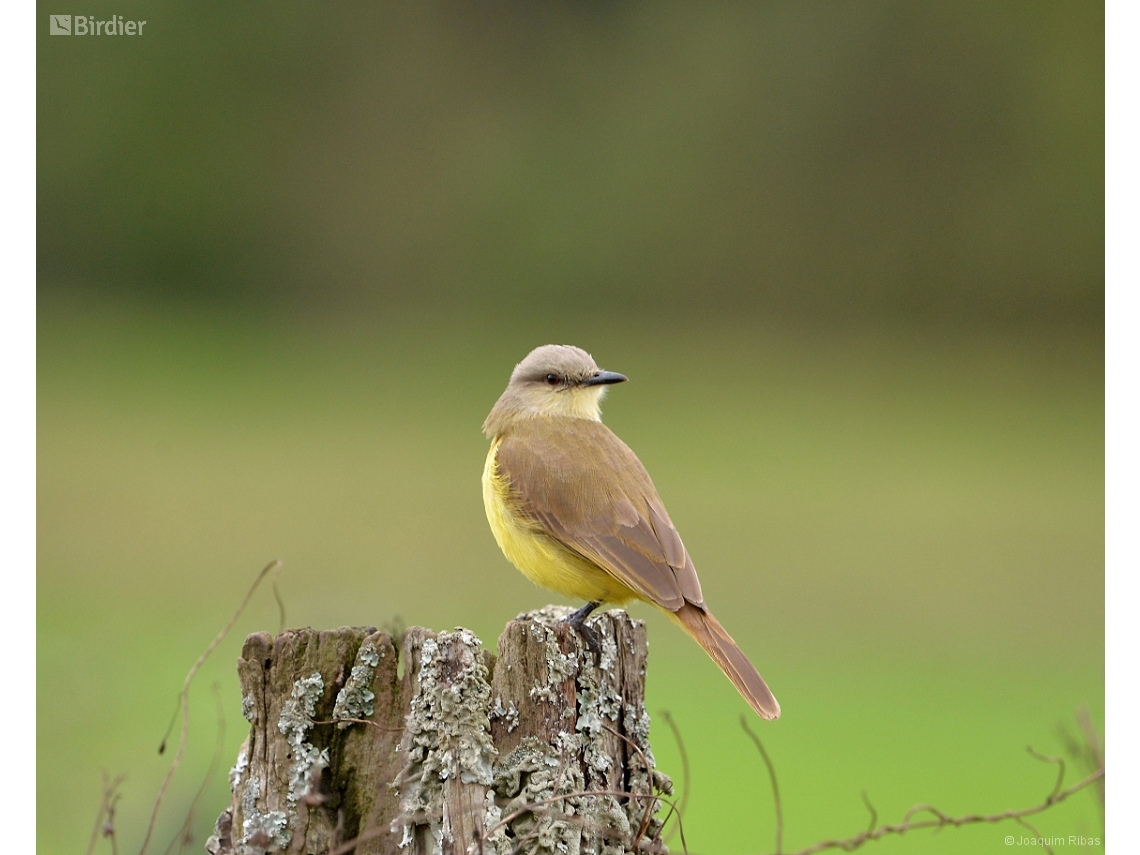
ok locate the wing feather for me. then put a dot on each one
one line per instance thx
(584, 487)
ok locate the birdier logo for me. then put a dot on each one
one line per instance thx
(82, 25)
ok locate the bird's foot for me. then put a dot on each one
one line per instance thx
(589, 635)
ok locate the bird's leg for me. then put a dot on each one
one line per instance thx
(577, 620)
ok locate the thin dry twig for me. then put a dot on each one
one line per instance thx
(941, 820)
(531, 807)
(372, 833)
(684, 800)
(186, 832)
(105, 819)
(874, 813)
(533, 834)
(1037, 834)
(351, 720)
(278, 598)
(1087, 751)
(109, 825)
(1060, 768)
(363, 837)
(1092, 738)
(775, 785)
(643, 826)
(183, 706)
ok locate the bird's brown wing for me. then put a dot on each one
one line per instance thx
(584, 487)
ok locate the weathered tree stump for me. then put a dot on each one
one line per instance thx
(542, 749)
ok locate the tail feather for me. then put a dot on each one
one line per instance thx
(726, 653)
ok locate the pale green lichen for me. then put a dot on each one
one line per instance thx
(496, 841)
(261, 831)
(560, 667)
(294, 723)
(240, 767)
(272, 830)
(581, 760)
(510, 714)
(448, 738)
(532, 774)
(448, 731)
(297, 713)
(355, 699)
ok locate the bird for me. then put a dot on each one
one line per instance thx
(572, 507)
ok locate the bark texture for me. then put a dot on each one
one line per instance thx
(430, 744)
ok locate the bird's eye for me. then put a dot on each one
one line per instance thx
(552, 380)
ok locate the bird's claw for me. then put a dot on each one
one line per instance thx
(589, 635)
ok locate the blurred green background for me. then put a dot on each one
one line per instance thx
(850, 254)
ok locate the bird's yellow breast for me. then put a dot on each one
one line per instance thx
(539, 557)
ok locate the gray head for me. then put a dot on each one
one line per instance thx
(553, 380)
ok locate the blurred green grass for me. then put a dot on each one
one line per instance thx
(903, 527)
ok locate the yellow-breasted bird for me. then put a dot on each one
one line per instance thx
(573, 508)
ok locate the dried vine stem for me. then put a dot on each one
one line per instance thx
(183, 706)
(532, 807)
(185, 833)
(1086, 748)
(105, 819)
(684, 800)
(775, 784)
(939, 818)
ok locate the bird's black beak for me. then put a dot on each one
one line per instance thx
(604, 378)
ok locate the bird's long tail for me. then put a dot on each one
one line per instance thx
(709, 634)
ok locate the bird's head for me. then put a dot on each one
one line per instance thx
(553, 380)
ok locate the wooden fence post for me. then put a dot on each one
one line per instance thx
(544, 749)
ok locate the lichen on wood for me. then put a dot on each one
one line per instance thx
(542, 749)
